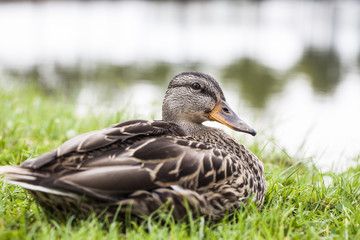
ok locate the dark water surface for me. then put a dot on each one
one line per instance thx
(289, 68)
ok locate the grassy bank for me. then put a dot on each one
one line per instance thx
(301, 202)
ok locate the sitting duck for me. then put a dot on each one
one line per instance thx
(140, 165)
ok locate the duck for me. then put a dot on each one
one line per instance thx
(139, 166)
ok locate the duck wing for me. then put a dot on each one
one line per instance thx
(160, 157)
(91, 141)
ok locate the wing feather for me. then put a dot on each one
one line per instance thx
(167, 164)
(163, 157)
(101, 138)
(107, 183)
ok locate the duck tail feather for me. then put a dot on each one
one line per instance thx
(26, 178)
(15, 173)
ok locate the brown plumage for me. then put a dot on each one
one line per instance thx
(146, 164)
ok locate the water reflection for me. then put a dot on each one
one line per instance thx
(322, 68)
(255, 81)
(69, 79)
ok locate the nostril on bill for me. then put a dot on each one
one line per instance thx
(226, 110)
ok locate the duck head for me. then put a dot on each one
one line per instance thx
(193, 98)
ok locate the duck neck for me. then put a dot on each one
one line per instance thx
(191, 128)
(190, 123)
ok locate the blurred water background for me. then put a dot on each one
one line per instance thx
(291, 69)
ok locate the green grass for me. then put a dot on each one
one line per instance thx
(299, 203)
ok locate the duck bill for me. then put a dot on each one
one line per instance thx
(223, 114)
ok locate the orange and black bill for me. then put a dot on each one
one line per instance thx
(223, 114)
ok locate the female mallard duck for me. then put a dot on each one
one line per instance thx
(145, 164)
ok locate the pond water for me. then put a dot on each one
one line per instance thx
(291, 69)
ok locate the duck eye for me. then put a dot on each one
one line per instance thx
(195, 86)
